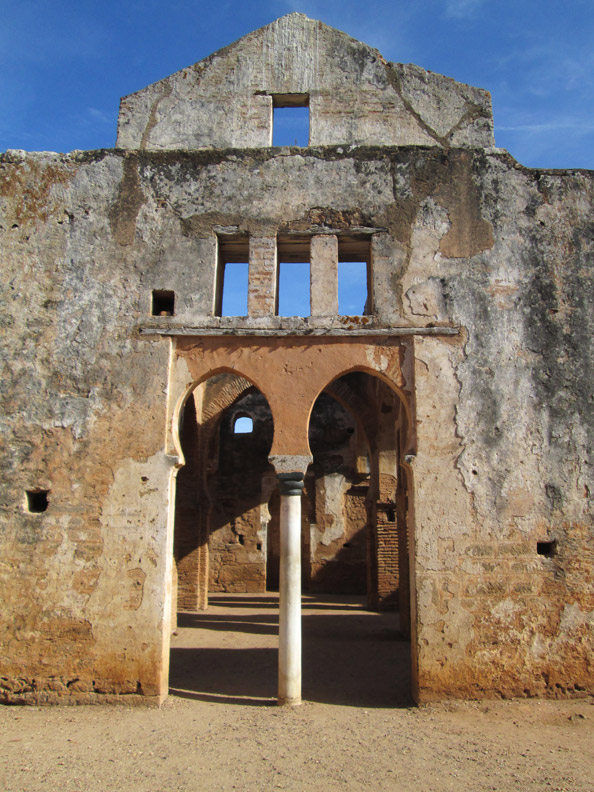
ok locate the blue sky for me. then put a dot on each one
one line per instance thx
(65, 64)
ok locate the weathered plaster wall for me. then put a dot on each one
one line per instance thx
(82, 416)
(355, 96)
(504, 427)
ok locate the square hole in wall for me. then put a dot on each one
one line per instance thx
(290, 122)
(232, 277)
(354, 276)
(163, 303)
(37, 501)
(547, 548)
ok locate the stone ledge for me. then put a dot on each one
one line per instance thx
(353, 332)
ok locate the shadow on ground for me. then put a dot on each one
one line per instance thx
(351, 656)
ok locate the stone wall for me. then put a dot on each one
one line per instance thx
(501, 459)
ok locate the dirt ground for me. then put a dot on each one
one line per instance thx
(220, 728)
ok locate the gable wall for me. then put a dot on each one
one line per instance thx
(355, 96)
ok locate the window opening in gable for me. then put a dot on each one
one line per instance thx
(290, 120)
(232, 277)
(243, 425)
(354, 277)
(293, 277)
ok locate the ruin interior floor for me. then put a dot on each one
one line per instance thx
(351, 656)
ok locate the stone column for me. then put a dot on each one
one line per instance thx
(289, 635)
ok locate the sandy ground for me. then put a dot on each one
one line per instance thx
(220, 728)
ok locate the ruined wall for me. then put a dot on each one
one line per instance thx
(82, 583)
(504, 568)
(504, 420)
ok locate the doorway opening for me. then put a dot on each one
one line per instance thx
(355, 504)
(354, 542)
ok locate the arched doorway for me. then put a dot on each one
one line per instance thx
(355, 501)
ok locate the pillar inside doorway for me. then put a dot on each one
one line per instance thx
(291, 483)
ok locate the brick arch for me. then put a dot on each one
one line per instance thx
(389, 489)
(360, 409)
(343, 393)
(229, 393)
(196, 480)
(214, 407)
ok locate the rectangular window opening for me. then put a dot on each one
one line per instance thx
(293, 277)
(37, 501)
(354, 277)
(163, 303)
(232, 277)
(290, 122)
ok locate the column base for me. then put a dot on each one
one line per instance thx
(289, 702)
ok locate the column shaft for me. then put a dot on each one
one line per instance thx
(289, 648)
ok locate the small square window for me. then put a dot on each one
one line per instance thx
(547, 548)
(244, 424)
(37, 501)
(163, 303)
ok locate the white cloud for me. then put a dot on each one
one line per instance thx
(462, 9)
(99, 115)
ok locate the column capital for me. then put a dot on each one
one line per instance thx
(290, 483)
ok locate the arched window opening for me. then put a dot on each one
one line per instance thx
(243, 424)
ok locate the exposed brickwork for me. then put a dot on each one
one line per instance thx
(263, 279)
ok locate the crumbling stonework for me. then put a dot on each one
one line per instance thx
(465, 486)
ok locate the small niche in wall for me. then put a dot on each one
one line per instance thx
(37, 501)
(163, 303)
(290, 122)
(547, 548)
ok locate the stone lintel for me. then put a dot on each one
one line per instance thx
(352, 332)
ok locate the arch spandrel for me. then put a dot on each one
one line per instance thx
(291, 372)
